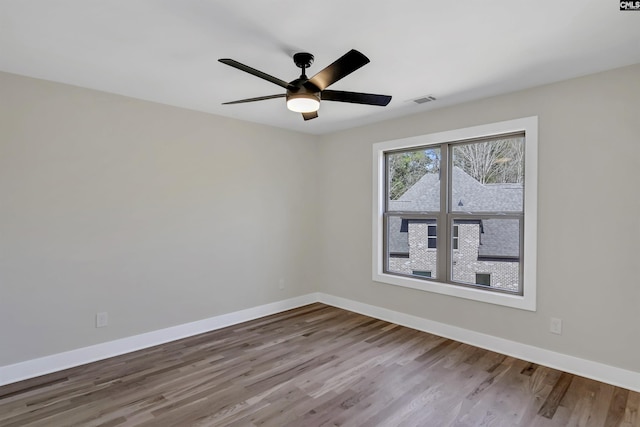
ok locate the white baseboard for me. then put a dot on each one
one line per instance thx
(574, 365)
(69, 359)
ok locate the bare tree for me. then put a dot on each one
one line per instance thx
(498, 161)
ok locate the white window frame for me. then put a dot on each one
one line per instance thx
(528, 125)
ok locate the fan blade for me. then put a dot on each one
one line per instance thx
(344, 66)
(260, 98)
(309, 116)
(253, 71)
(355, 97)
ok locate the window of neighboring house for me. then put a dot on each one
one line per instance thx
(421, 273)
(483, 279)
(431, 237)
(455, 241)
(454, 204)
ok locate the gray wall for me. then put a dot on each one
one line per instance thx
(588, 228)
(162, 216)
(157, 215)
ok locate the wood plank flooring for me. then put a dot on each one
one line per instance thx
(315, 366)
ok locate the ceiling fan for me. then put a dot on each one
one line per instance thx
(304, 94)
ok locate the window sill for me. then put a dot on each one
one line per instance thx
(527, 302)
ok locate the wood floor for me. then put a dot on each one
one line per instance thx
(315, 366)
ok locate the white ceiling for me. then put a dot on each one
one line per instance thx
(167, 50)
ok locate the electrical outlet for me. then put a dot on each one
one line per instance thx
(555, 326)
(102, 319)
(281, 284)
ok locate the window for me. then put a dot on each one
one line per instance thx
(421, 273)
(460, 206)
(483, 279)
(455, 238)
(484, 181)
(431, 237)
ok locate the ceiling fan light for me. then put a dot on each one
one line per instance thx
(303, 102)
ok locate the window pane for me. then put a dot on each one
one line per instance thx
(422, 273)
(489, 247)
(488, 176)
(409, 247)
(413, 180)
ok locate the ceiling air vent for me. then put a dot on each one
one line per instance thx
(424, 99)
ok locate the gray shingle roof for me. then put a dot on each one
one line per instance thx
(423, 196)
(398, 240)
(500, 239)
(468, 195)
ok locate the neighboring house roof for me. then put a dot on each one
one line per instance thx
(421, 196)
(468, 195)
(499, 238)
(398, 241)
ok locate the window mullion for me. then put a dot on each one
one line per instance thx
(443, 228)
